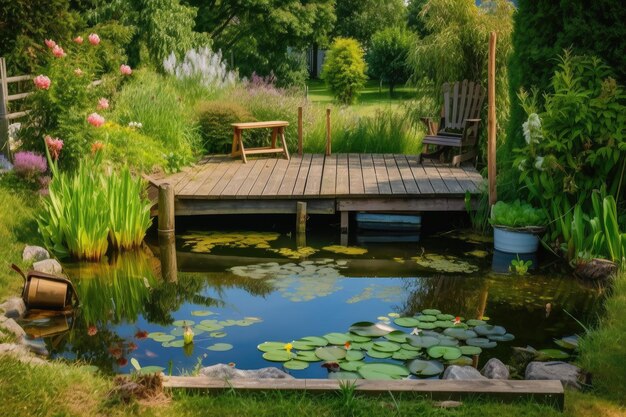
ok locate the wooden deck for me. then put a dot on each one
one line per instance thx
(340, 182)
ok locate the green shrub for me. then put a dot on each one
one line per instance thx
(344, 69)
(387, 56)
(215, 118)
(516, 214)
(124, 145)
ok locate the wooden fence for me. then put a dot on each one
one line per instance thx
(6, 116)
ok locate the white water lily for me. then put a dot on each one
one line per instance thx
(416, 332)
(532, 129)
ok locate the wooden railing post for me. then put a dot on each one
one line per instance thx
(491, 132)
(167, 236)
(4, 111)
(300, 130)
(328, 138)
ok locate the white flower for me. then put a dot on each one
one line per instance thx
(539, 163)
(522, 165)
(416, 331)
(205, 65)
(532, 129)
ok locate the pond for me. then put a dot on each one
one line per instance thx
(237, 288)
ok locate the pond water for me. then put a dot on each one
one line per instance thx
(237, 288)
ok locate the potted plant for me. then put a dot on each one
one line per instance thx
(516, 227)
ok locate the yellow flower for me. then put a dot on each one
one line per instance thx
(288, 347)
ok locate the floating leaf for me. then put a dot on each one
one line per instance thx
(217, 335)
(270, 346)
(302, 345)
(475, 322)
(244, 323)
(330, 353)
(307, 356)
(178, 332)
(422, 341)
(379, 370)
(354, 355)
(426, 318)
(478, 253)
(163, 338)
(356, 338)
(407, 346)
(431, 311)
(394, 315)
(488, 329)
(377, 354)
(202, 313)
(460, 334)
(150, 370)
(314, 341)
(175, 343)
(156, 334)
(470, 350)
(368, 329)
(501, 338)
(383, 318)
(445, 324)
(220, 347)
(426, 325)
(345, 250)
(405, 355)
(361, 346)
(351, 365)
(386, 346)
(278, 356)
(447, 341)
(481, 342)
(448, 353)
(552, 354)
(183, 323)
(569, 342)
(296, 365)
(407, 321)
(209, 327)
(445, 317)
(396, 336)
(337, 338)
(342, 375)
(462, 361)
(425, 368)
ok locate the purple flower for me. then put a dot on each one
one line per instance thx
(29, 164)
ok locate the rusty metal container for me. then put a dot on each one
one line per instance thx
(46, 291)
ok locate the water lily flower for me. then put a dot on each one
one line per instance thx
(141, 334)
(116, 352)
(58, 51)
(132, 346)
(78, 72)
(416, 332)
(457, 320)
(188, 335)
(103, 104)
(125, 69)
(50, 43)
(42, 82)
(92, 330)
(347, 345)
(94, 39)
(95, 120)
(54, 146)
(122, 361)
(96, 146)
(78, 39)
(288, 347)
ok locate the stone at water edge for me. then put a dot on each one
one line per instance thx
(34, 254)
(495, 369)
(462, 373)
(48, 266)
(38, 347)
(12, 327)
(13, 308)
(223, 371)
(565, 372)
(20, 353)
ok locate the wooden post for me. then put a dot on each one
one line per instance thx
(4, 111)
(328, 147)
(300, 130)
(344, 228)
(491, 132)
(167, 237)
(300, 224)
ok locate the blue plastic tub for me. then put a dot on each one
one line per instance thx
(509, 241)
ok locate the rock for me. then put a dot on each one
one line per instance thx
(38, 347)
(34, 254)
(12, 327)
(565, 372)
(223, 371)
(21, 353)
(463, 373)
(596, 270)
(495, 369)
(14, 307)
(48, 266)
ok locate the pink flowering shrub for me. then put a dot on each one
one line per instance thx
(29, 165)
(125, 70)
(42, 82)
(95, 120)
(94, 39)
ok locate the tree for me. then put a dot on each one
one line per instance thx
(414, 20)
(359, 19)
(344, 69)
(387, 55)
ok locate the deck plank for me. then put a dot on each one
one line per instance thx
(395, 179)
(289, 180)
(369, 174)
(356, 174)
(211, 180)
(274, 181)
(303, 174)
(343, 175)
(196, 177)
(407, 176)
(329, 175)
(463, 179)
(475, 176)
(238, 179)
(314, 179)
(450, 180)
(267, 167)
(434, 177)
(248, 183)
(221, 185)
(382, 177)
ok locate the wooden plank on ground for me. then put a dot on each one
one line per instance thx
(439, 186)
(395, 179)
(356, 174)
(545, 392)
(248, 183)
(273, 184)
(369, 174)
(289, 180)
(449, 179)
(303, 174)
(407, 176)
(267, 167)
(381, 174)
(329, 175)
(238, 179)
(314, 179)
(343, 175)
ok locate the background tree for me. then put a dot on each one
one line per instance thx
(359, 19)
(387, 56)
(344, 69)
(414, 20)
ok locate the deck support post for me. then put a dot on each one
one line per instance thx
(301, 224)
(344, 228)
(166, 231)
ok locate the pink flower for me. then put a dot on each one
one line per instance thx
(125, 70)
(78, 72)
(54, 146)
(94, 39)
(103, 104)
(50, 43)
(58, 51)
(42, 82)
(78, 39)
(92, 330)
(95, 120)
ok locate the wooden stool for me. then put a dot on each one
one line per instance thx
(278, 128)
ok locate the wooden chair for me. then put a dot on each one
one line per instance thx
(459, 124)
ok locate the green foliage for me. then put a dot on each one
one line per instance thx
(479, 212)
(520, 266)
(292, 71)
(359, 19)
(128, 145)
(387, 55)
(516, 214)
(215, 118)
(414, 22)
(344, 69)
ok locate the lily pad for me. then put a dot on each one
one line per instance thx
(397, 336)
(209, 327)
(394, 315)
(278, 356)
(569, 342)
(307, 356)
(337, 338)
(425, 368)
(406, 346)
(445, 317)
(361, 345)
(183, 323)
(431, 311)
(155, 334)
(426, 318)
(345, 250)
(271, 346)
(552, 354)
(405, 355)
(356, 338)
(221, 347)
(426, 325)
(447, 341)
(470, 350)
(354, 355)
(368, 329)
(481, 342)
(314, 341)
(507, 337)
(445, 324)
(422, 341)
(330, 353)
(202, 313)
(475, 322)
(296, 365)
(460, 334)
(377, 354)
(302, 345)
(406, 321)
(163, 338)
(351, 366)
(379, 370)
(178, 332)
(175, 343)
(342, 375)
(448, 353)
(488, 329)
(386, 346)
(217, 335)
(461, 361)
